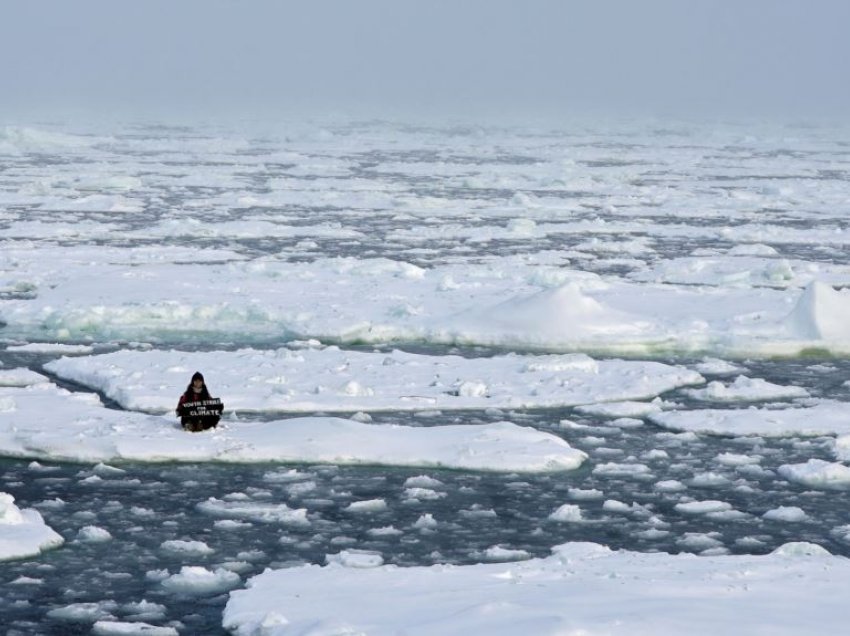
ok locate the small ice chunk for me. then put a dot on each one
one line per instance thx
(84, 612)
(422, 481)
(423, 494)
(700, 541)
(93, 534)
(790, 514)
(579, 494)
(187, 548)
(750, 543)
(745, 389)
(670, 485)
(479, 512)
(369, 505)
(734, 459)
(622, 470)
(499, 553)
(710, 480)
(355, 559)
(702, 507)
(612, 505)
(425, 522)
(385, 531)
(26, 580)
(715, 366)
(231, 524)
(195, 580)
(568, 513)
(626, 422)
(118, 628)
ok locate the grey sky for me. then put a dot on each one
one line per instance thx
(461, 56)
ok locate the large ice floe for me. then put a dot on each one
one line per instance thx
(44, 421)
(316, 378)
(23, 533)
(582, 588)
(509, 302)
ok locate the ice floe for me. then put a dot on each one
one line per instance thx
(819, 474)
(642, 593)
(331, 379)
(88, 432)
(23, 532)
(509, 302)
(744, 389)
(825, 418)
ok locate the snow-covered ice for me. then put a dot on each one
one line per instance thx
(91, 433)
(23, 532)
(245, 255)
(744, 389)
(582, 588)
(825, 418)
(332, 379)
(503, 304)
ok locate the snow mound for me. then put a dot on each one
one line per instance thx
(564, 315)
(821, 314)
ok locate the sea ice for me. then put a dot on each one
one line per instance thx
(819, 474)
(23, 532)
(567, 513)
(642, 592)
(824, 418)
(331, 379)
(193, 580)
(745, 389)
(501, 303)
(791, 514)
(135, 628)
(93, 534)
(92, 433)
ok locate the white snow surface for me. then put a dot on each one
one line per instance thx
(331, 379)
(23, 532)
(582, 588)
(744, 389)
(90, 432)
(508, 302)
(825, 418)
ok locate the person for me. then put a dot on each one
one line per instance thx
(197, 392)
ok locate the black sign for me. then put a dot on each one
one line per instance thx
(201, 414)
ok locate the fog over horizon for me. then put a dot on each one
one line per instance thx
(226, 59)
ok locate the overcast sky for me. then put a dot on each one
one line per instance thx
(460, 57)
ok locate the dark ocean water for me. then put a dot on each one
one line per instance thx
(439, 516)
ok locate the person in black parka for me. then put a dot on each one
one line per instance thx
(197, 392)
